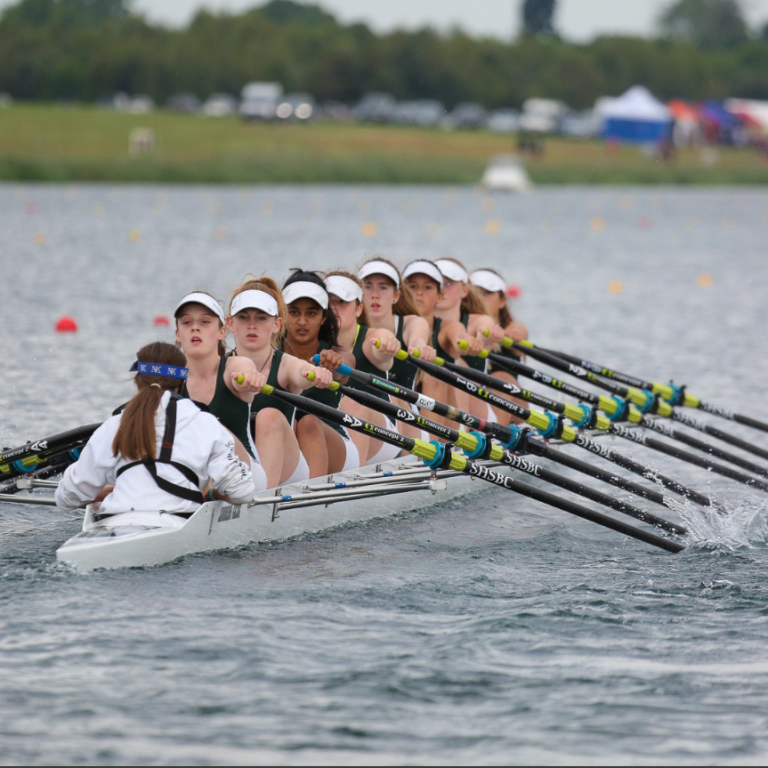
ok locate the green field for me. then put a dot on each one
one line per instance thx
(64, 144)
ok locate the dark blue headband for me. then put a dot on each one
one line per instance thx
(157, 369)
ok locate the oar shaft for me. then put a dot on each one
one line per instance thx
(635, 416)
(454, 461)
(666, 391)
(529, 444)
(541, 421)
(470, 443)
(47, 444)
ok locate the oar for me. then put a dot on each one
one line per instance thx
(574, 412)
(476, 446)
(612, 406)
(26, 458)
(550, 426)
(49, 470)
(675, 395)
(437, 456)
(645, 400)
(511, 438)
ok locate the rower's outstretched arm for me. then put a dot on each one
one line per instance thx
(380, 347)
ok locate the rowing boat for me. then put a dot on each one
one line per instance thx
(135, 539)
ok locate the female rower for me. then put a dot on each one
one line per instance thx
(160, 454)
(493, 290)
(373, 350)
(461, 301)
(213, 378)
(425, 283)
(388, 304)
(312, 329)
(257, 317)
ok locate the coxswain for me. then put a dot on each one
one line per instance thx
(161, 453)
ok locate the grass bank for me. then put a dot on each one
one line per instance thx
(65, 144)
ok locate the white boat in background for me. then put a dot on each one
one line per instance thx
(506, 173)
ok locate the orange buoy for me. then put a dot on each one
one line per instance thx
(66, 324)
(161, 321)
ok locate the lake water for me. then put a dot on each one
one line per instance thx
(450, 636)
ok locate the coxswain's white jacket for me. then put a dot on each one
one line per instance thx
(201, 444)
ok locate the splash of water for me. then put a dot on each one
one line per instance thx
(738, 524)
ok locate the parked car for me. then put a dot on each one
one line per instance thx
(296, 106)
(376, 108)
(504, 121)
(260, 101)
(582, 125)
(336, 110)
(187, 103)
(219, 105)
(428, 113)
(467, 115)
(542, 115)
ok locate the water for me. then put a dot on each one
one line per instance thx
(484, 635)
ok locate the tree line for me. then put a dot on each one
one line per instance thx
(85, 50)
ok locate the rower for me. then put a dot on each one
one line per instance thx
(388, 304)
(160, 454)
(461, 301)
(425, 283)
(213, 382)
(373, 350)
(493, 289)
(312, 329)
(257, 316)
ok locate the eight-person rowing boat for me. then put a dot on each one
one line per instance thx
(337, 399)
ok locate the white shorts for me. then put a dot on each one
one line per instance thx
(386, 451)
(259, 477)
(301, 473)
(352, 460)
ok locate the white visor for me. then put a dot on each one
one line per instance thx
(305, 290)
(452, 271)
(488, 281)
(254, 300)
(379, 268)
(424, 268)
(343, 287)
(207, 301)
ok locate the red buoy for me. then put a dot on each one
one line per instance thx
(31, 209)
(66, 324)
(161, 321)
(514, 291)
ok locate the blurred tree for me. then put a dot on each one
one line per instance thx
(710, 23)
(764, 34)
(290, 12)
(538, 17)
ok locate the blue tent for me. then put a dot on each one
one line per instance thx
(637, 117)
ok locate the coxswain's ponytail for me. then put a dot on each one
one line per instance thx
(136, 436)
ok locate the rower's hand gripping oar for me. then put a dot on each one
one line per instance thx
(437, 456)
(476, 446)
(673, 394)
(512, 438)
